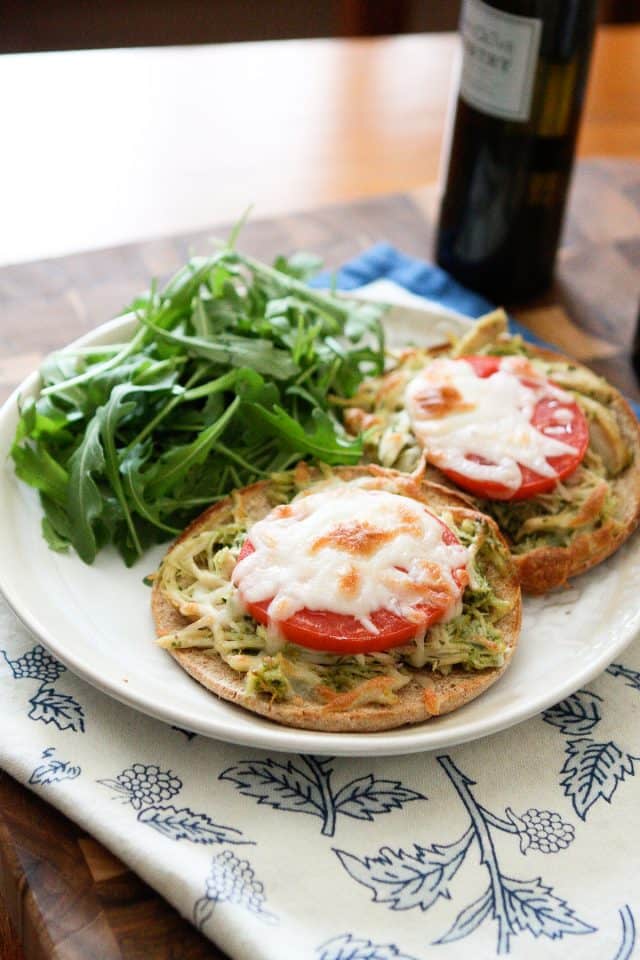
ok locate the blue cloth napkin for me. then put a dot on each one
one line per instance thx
(425, 280)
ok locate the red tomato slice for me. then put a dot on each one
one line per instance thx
(483, 366)
(341, 633)
(576, 435)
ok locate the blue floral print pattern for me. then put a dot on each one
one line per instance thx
(631, 676)
(231, 880)
(37, 664)
(145, 786)
(142, 784)
(348, 947)
(189, 734)
(61, 710)
(541, 830)
(307, 788)
(593, 769)
(54, 769)
(628, 942)
(47, 704)
(404, 880)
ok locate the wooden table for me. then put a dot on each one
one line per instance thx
(69, 898)
(105, 147)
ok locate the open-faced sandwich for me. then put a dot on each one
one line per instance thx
(356, 599)
(547, 448)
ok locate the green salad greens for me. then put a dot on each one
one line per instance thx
(226, 377)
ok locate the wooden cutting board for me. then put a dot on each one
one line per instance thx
(67, 896)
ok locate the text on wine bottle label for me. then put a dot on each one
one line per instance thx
(500, 51)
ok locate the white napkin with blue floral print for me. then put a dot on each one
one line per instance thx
(526, 843)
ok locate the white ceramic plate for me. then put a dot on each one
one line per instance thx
(97, 621)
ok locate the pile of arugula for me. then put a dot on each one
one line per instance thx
(228, 376)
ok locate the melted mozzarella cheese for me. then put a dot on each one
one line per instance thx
(487, 417)
(351, 550)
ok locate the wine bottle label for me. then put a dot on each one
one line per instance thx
(500, 51)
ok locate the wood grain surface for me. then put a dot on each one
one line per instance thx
(48, 303)
(126, 144)
(66, 896)
(70, 899)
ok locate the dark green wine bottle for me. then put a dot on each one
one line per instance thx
(524, 70)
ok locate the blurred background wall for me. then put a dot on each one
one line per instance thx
(29, 25)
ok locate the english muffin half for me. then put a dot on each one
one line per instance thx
(206, 623)
(553, 535)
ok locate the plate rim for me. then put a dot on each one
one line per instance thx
(398, 741)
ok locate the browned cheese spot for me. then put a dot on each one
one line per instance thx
(356, 537)
(435, 401)
(429, 576)
(349, 582)
(284, 511)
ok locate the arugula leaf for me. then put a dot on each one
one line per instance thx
(233, 371)
(302, 265)
(119, 406)
(36, 466)
(261, 355)
(173, 467)
(57, 543)
(134, 483)
(84, 499)
(320, 438)
(55, 525)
